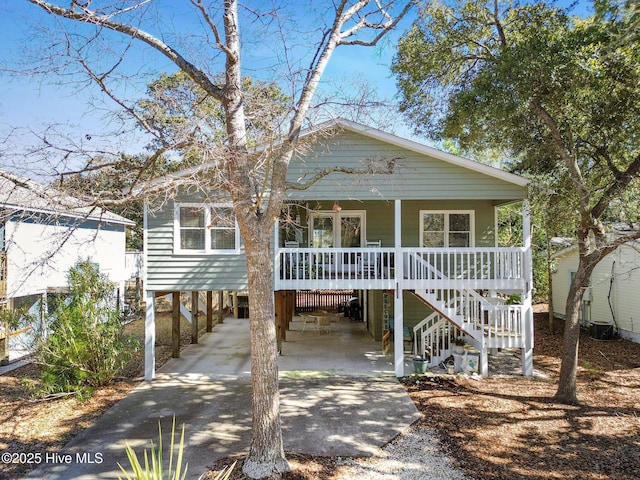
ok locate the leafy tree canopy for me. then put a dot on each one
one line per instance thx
(547, 88)
(181, 113)
(560, 95)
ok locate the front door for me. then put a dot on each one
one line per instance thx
(343, 229)
(337, 229)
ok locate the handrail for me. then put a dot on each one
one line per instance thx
(425, 324)
(439, 275)
(465, 264)
(438, 339)
(336, 263)
(506, 322)
(482, 267)
(464, 303)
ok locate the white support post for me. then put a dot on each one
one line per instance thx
(398, 325)
(276, 256)
(398, 303)
(150, 337)
(484, 361)
(527, 350)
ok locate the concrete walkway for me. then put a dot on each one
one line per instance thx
(339, 396)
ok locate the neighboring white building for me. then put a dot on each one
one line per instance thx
(613, 296)
(44, 232)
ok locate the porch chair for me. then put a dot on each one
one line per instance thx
(370, 262)
(296, 260)
(324, 323)
(307, 320)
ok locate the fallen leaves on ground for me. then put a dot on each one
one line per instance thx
(502, 427)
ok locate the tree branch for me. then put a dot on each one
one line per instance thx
(88, 16)
(498, 24)
(331, 40)
(566, 153)
(384, 27)
(623, 179)
(203, 11)
(387, 169)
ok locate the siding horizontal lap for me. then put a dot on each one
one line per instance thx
(414, 176)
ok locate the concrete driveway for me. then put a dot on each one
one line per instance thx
(338, 397)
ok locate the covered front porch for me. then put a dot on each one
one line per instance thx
(456, 272)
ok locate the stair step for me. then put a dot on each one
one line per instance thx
(500, 332)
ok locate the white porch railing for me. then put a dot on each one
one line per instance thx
(430, 268)
(335, 268)
(505, 326)
(469, 268)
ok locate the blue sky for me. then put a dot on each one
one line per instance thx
(36, 101)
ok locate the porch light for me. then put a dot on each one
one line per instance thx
(336, 207)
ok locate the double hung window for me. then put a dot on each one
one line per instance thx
(205, 229)
(446, 229)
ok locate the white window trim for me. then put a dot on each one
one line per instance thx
(446, 213)
(325, 213)
(207, 237)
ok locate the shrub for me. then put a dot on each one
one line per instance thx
(84, 346)
(154, 468)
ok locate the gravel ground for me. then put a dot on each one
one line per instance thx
(417, 454)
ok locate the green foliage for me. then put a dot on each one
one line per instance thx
(557, 94)
(548, 220)
(15, 318)
(476, 70)
(514, 299)
(110, 178)
(84, 347)
(182, 113)
(154, 468)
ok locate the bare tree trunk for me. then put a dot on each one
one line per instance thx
(257, 196)
(550, 317)
(266, 454)
(567, 389)
(266, 457)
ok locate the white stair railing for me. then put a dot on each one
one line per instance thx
(499, 324)
(424, 325)
(465, 308)
(436, 340)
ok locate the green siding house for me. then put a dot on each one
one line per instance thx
(413, 222)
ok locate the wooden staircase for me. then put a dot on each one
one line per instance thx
(483, 322)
